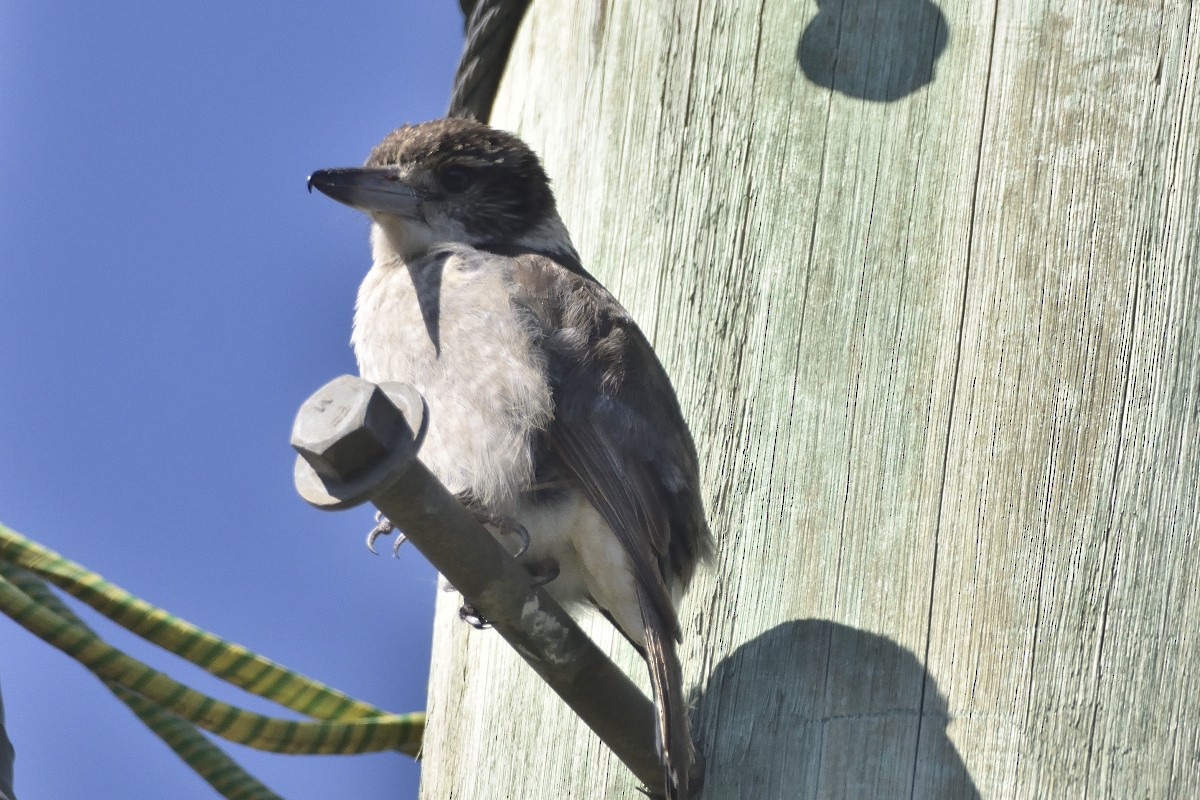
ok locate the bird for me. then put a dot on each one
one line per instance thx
(549, 415)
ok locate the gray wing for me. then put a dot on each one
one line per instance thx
(618, 431)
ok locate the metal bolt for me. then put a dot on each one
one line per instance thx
(349, 426)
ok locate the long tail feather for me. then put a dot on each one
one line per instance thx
(672, 736)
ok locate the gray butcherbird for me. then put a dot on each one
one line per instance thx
(547, 407)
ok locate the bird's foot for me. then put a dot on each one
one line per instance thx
(467, 612)
(542, 572)
(501, 523)
(470, 615)
(384, 527)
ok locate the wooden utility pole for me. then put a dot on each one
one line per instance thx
(927, 279)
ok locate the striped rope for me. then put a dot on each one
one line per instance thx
(344, 724)
(226, 660)
(211, 763)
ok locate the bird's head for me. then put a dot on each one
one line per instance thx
(451, 181)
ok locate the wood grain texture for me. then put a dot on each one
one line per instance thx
(933, 314)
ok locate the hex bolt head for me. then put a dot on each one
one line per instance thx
(347, 427)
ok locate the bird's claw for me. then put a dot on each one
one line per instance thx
(400, 539)
(470, 615)
(514, 528)
(542, 572)
(384, 527)
(503, 524)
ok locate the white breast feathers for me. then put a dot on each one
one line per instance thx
(445, 323)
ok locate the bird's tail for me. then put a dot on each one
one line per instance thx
(672, 735)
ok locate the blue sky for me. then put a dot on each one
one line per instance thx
(169, 295)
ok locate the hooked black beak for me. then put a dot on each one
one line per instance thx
(368, 189)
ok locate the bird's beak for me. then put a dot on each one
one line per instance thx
(368, 189)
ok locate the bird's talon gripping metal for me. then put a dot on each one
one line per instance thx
(384, 527)
(519, 531)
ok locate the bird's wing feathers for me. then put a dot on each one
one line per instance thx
(618, 430)
(619, 433)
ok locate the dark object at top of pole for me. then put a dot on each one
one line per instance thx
(491, 26)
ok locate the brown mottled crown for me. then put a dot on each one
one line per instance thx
(508, 193)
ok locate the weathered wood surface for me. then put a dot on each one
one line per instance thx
(934, 317)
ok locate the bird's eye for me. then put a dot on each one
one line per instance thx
(456, 178)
